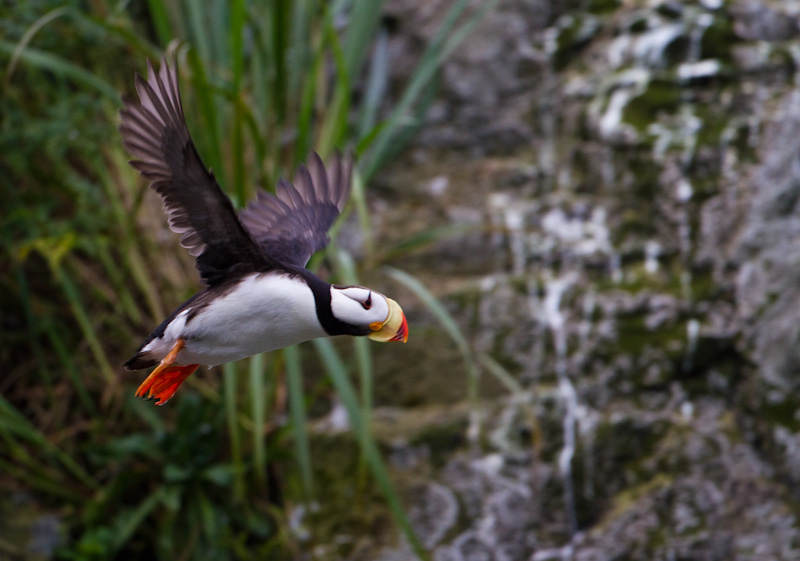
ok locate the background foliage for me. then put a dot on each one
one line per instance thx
(89, 266)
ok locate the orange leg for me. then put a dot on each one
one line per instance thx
(164, 381)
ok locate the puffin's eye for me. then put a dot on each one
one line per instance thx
(367, 304)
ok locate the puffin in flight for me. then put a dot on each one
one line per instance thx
(258, 295)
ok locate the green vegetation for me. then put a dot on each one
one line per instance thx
(213, 475)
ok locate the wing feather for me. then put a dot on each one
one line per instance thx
(154, 132)
(292, 224)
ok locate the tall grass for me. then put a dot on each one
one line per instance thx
(264, 83)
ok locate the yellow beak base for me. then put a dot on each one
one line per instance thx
(395, 328)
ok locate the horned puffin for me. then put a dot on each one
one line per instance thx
(258, 295)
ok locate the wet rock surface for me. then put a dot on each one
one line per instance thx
(623, 184)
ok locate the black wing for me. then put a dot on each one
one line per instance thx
(154, 132)
(292, 224)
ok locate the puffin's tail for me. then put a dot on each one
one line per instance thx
(139, 361)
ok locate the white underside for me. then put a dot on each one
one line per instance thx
(263, 313)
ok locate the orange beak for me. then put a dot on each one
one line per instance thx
(393, 328)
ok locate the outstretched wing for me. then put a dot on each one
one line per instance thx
(154, 132)
(292, 224)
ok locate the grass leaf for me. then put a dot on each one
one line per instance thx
(448, 323)
(338, 374)
(61, 67)
(297, 411)
(259, 414)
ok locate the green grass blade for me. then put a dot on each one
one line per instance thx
(237, 68)
(13, 421)
(62, 67)
(297, 410)
(258, 145)
(15, 449)
(231, 413)
(358, 197)
(219, 20)
(338, 375)
(259, 68)
(502, 375)
(363, 21)
(125, 301)
(204, 510)
(69, 365)
(305, 115)
(365, 374)
(115, 30)
(411, 124)
(375, 89)
(211, 116)
(161, 21)
(200, 37)
(299, 57)
(334, 121)
(259, 414)
(424, 238)
(44, 484)
(24, 298)
(118, 180)
(447, 322)
(441, 45)
(82, 317)
(26, 38)
(279, 23)
(136, 268)
(125, 528)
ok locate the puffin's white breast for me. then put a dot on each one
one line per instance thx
(264, 312)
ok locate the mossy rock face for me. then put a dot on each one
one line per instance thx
(629, 266)
(661, 96)
(575, 32)
(603, 6)
(718, 39)
(441, 442)
(696, 500)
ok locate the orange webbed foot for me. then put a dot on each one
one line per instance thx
(165, 383)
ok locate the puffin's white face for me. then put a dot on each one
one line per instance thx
(358, 306)
(380, 317)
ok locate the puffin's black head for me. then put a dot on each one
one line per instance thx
(369, 312)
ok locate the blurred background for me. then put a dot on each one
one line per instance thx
(587, 210)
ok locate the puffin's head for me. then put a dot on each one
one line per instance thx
(380, 317)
